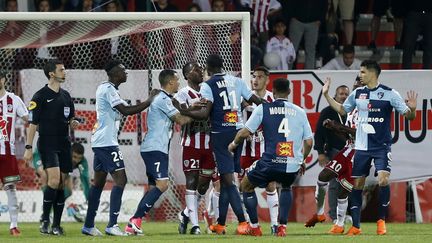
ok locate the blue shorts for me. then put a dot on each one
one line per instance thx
(225, 161)
(261, 174)
(156, 164)
(108, 159)
(363, 159)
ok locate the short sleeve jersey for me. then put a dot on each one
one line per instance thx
(374, 107)
(285, 127)
(52, 111)
(159, 124)
(105, 131)
(226, 93)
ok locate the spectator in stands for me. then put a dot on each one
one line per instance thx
(43, 6)
(328, 38)
(281, 45)
(418, 20)
(113, 6)
(218, 6)
(194, 8)
(261, 11)
(11, 6)
(346, 10)
(205, 5)
(306, 17)
(164, 6)
(345, 62)
(380, 7)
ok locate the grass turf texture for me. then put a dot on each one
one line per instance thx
(167, 232)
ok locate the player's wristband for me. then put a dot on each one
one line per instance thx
(28, 146)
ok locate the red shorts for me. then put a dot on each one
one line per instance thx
(341, 165)
(198, 159)
(9, 169)
(246, 162)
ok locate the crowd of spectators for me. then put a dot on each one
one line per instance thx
(319, 27)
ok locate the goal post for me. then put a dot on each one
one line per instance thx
(147, 43)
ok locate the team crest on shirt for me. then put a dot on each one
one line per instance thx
(10, 108)
(66, 111)
(380, 95)
(285, 149)
(231, 117)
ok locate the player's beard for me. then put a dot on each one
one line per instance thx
(60, 80)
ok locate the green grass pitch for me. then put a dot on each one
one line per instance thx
(167, 232)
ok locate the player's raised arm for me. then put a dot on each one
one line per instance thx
(240, 136)
(411, 102)
(133, 109)
(332, 102)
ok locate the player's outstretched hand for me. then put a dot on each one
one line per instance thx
(199, 104)
(326, 86)
(74, 124)
(28, 156)
(411, 100)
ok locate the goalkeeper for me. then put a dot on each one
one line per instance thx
(78, 162)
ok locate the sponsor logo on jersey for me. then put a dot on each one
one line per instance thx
(231, 117)
(285, 149)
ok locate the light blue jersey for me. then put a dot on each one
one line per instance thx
(105, 130)
(285, 127)
(375, 107)
(226, 93)
(159, 124)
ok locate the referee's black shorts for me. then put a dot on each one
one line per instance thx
(55, 152)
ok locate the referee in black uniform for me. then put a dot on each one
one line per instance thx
(51, 112)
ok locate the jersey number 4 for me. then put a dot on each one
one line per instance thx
(283, 127)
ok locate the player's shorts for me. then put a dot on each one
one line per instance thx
(226, 162)
(9, 172)
(108, 159)
(156, 164)
(341, 165)
(215, 176)
(198, 159)
(246, 162)
(55, 152)
(346, 8)
(380, 8)
(261, 174)
(363, 159)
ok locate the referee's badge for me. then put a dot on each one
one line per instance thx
(66, 111)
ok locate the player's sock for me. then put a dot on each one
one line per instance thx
(223, 205)
(342, 205)
(147, 202)
(93, 205)
(320, 192)
(235, 201)
(58, 207)
(67, 193)
(198, 198)
(356, 204)
(285, 201)
(191, 205)
(49, 198)
(115, 204)
(215, 204)
(273, 204)
(251, 202)
(384, 201)
(12, 204)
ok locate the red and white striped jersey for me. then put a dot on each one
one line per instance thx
(255, 147)
(197, 133)
(260, 10)
(10, 106)
(351, 122)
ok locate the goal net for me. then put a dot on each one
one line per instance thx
(146, 43)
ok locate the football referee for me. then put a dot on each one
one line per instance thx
(51, 112)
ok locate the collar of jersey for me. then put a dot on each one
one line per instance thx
(166, 93)
(111, 84)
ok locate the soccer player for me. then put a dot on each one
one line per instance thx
(78, 162)
(375, 103)
(253, 148)
(198, 160)
(11, 106)
(223, 94)
(288, 137)
(52, 111)
(107, 155)
(338, 168)
(155, 145)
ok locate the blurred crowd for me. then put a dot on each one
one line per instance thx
(324, 29)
